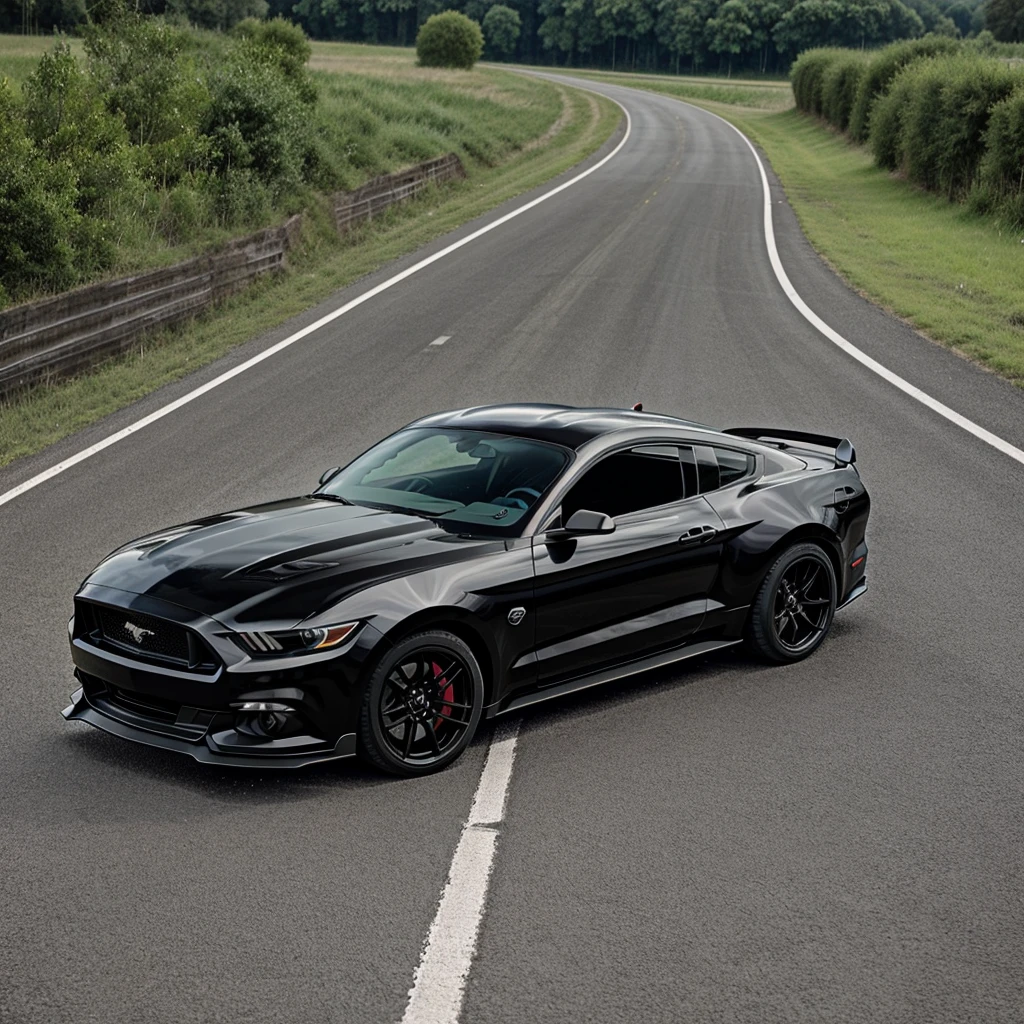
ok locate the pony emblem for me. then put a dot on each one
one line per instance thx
(137, 632)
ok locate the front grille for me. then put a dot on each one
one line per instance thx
(143, 634)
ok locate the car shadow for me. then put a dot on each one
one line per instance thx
(728, 663)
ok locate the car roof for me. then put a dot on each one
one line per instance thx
(566, 425)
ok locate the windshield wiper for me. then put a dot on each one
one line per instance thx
(406, 511)
(330, 497)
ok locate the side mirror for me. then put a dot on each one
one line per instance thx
(585, 521)
(328, 473)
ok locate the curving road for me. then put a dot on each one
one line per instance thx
(840, 840)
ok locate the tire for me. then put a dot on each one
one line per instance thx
(422, 705)
(794, 607)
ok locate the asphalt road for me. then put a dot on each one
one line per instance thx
(839, 840)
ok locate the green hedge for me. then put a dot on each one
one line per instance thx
(883, 68)
(839, 86)
(808, 75)
(932, 124)
(948, 117)
(1001, 186)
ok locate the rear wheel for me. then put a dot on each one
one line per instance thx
(422, 705)
(795, 604)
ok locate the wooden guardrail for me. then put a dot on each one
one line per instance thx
(59, 336)
(351, 208)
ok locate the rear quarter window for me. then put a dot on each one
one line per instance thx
(719, 467)
(733, 465)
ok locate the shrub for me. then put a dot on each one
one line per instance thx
(808, 75)
(240, 198)
(38, 219)
(449, 40)
(284, 45)
(257, 122)
(142, 68)
(881, 71)
(944, 125)
(502, 26)
(69, 123)
(839, 86)
(183, 210)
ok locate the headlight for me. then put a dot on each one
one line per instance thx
(295, 641)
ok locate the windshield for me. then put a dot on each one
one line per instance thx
(462, 478)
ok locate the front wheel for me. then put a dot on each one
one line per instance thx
(422, 705)
(793, 610)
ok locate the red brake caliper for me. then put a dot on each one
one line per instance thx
(447, 692)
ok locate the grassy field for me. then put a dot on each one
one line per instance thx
(955, 276)
(753, 95)
(567, 126)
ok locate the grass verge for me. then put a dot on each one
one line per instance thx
(953, 275)
(322, 265)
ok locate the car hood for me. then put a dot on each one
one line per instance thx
(281, 563)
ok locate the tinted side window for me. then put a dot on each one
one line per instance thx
(628, 482)
(719, 467)
(733, 465)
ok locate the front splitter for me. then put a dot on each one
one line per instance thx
(79, 710)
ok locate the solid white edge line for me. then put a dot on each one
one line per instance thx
(439, 984)
(191, 396)
(837, 339)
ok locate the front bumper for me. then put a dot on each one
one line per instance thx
(204, 747)
(191, 710)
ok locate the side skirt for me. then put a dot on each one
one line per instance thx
(607, 675)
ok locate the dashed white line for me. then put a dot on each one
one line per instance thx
(191, 396)
(440, 341)
(439, 984)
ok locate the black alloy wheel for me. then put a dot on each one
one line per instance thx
(794, 607)
(422, 705)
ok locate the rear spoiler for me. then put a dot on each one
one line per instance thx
(842, 450)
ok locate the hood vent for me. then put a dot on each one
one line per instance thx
(289, 570)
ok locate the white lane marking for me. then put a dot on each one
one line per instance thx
(191, 396)
(440, 341)
(848, 347)
(439, 984)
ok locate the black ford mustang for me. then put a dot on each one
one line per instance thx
(468, 565)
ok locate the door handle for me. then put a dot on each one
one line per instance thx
(698, 535)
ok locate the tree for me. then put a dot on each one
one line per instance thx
(730, 32)
(680, 29)
(501, 29)
(1005, 20)
(961, 15)
(764, 15)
